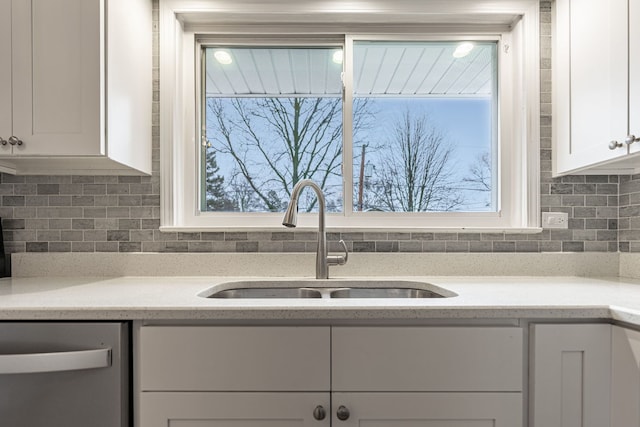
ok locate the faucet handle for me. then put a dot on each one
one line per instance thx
(339, 259)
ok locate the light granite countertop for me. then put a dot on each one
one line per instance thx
(176, 298)
(158, 287)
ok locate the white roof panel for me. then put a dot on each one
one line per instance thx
(380, 69)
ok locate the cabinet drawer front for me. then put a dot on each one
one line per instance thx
(234, 358)
(205, 409)
(427, 359)
(429, 409)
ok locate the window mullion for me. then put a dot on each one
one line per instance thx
(347, 123)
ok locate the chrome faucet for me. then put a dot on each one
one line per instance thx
(323, 260)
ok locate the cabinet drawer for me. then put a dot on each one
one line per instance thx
(234, 358)
(429, 409)
(427, 359)
(215, 409)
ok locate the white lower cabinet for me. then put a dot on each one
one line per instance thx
(625, 378)
(250, 376)
(427, 409)
(426, 376)
(233, 376)
(201, 409)
(420, 359)
(234, 358)
(570, 375)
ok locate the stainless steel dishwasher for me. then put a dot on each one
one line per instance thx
(64, 374)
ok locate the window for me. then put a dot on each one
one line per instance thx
(402, 130)
(271, 117)
(424, 126)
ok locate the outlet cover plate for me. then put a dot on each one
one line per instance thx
(555, 220)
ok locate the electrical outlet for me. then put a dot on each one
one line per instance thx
(555, 220)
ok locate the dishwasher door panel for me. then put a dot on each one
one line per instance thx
(64, 374)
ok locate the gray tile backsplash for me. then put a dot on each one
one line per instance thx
(629, 214)
(121, 213)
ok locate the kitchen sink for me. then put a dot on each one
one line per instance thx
(267, 293)
(384, 293)
(327, 289)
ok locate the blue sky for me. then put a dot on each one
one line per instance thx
(465, 121)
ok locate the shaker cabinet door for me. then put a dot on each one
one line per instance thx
(5, 75)
(425, 359)
(57, 77)
(591, 82)
(625, 378)
(235, 358)
(571, 371)
(634, 76)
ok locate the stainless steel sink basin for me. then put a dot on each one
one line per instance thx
(330, 288)
(384, 293)
(268, 293)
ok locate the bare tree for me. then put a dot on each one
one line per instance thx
(276, 142)
(480, 173)
(244, 197)
(415, 170)
(480, 177)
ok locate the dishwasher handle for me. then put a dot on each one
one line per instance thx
(55, 362)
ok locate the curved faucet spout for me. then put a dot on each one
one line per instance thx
(290, 220)
(291, 214)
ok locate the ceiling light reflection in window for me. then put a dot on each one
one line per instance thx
(337, 56)
(223, 57)
(463, 49)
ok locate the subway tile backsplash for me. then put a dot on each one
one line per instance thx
(121, 213)
(629, 214)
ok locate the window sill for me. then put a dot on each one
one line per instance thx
(196, 229)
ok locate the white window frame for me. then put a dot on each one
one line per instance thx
(182, 21)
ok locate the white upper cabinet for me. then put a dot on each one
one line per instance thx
(56, 77)
(77, 98)
(634, 77)
(596, 87)
(5, 74)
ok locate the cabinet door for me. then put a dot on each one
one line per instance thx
(233, 409)
(591, 72)
(57, 77)
(428, 409)
(625, 381)
(570, 375)
(234, 358)
(634, 75)
(425, 359)
(5, 74)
